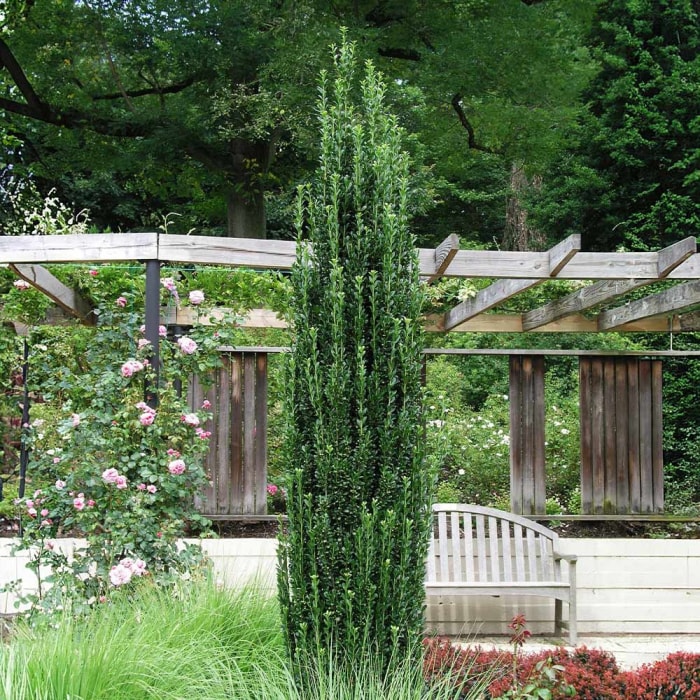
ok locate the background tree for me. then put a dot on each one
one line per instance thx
(632, 176)
(352, 561)
(203, 108)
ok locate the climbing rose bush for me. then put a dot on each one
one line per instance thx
(115, 468)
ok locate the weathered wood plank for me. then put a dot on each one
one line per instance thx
(585, 411)
(260, 457)
(610, 455)
(442, 544)
(561, 254)
(621, 436)
(486, 299)
(657, 432)
(516, 445)
(444, 254)
(675, 299)
(224, 455)
(672, 256)
(645, 437)
(469, 546)
(633, 435)
(96, 247)
(507, 554)
(236, 415)
(538, 455)
(249, 433)
(481, 547)
(578, 301)
(493, 549)
(528, 438)
(456, 541)
(598, 435)
(68, 299)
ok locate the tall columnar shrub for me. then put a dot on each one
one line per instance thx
(352, 562)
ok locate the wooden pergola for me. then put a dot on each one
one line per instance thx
(622, 465)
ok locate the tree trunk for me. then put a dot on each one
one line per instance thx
(245, 202)
(518, 234)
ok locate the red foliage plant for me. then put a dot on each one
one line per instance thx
(593, 673)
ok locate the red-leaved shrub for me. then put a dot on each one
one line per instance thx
(677, 677)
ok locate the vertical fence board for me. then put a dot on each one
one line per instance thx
(236, 464)
(538, 456)
(610, 424)
(621, 437)
(248, 433)
(633, 436)
(260, 462)
(516, 469)
(598, 435)
(528, 440)
(585, 400)
(657, 457)
(645, 437)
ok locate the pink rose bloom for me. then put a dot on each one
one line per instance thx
(141, 487)
(76, 419)
(206, 404)
(143, 343)
(196, 297)
(31, 512)
(176, 467)
(147, 417)
(203, 434)
(272, 489)
(169, 284)
(162, 331)
(121, 301)
(190, 419)
(139, 567)
(44, 512)
(93, 272)
(56, 460)
(30, 503)
(119, 575)
(151, 488)
(110, 475)
(173, 453)
(130, 367)
(121, 482)
(60, 485)
(187, 345)
(21, 284)
(90, 503)
(79, 502)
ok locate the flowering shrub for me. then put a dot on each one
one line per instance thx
(676, 677)
(121, 472)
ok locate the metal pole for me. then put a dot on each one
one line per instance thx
(152, 323)
(24, 448)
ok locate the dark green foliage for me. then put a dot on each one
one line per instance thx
(633, 178)
(352, 562)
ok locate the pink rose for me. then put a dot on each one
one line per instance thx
(162, 331)
(119, 575)
(130, 367)
(141, 487)
(30, 503)
(147, 417)
(121, 482)
(110, 475)
(190, 419)
(206, 404)
(44, 512)
(272, 489)
(31, 512)
(121, 301)
(93, 273)
(56, 460)
(21, 284)
(76, 419)
(143, 343)
(90, 503)
(151, 488)
(79, 502)
(196, 297)
(176, 467)
(203, 434)
(173, 453)
(187, 345)
(60, 485)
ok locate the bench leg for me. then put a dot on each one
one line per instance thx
(557, 617)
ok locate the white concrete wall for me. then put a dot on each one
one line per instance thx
(624, 586)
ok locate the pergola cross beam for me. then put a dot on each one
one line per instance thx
(504, 289)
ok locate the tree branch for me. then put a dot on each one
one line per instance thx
(403, 54)
(8, 61)
(457, 106)
(167, 90)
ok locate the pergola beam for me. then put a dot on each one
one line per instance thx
(68, 299)
(444, 254)
(503, 289)
(587, 297)
(670, 301)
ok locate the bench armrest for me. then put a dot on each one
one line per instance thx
(571, 558)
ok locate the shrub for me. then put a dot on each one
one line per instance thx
(677, 677)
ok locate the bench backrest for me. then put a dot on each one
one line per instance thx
(478, 544)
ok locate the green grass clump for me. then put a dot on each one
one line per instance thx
(199, 643)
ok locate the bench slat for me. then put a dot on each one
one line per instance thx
(507, 557)
(519, 556)
(481, 547)
(456, 542)
(493, 549)
(531, 555)
(442, 545)
(469, 547)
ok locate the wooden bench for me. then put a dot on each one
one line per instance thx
(483, 551)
